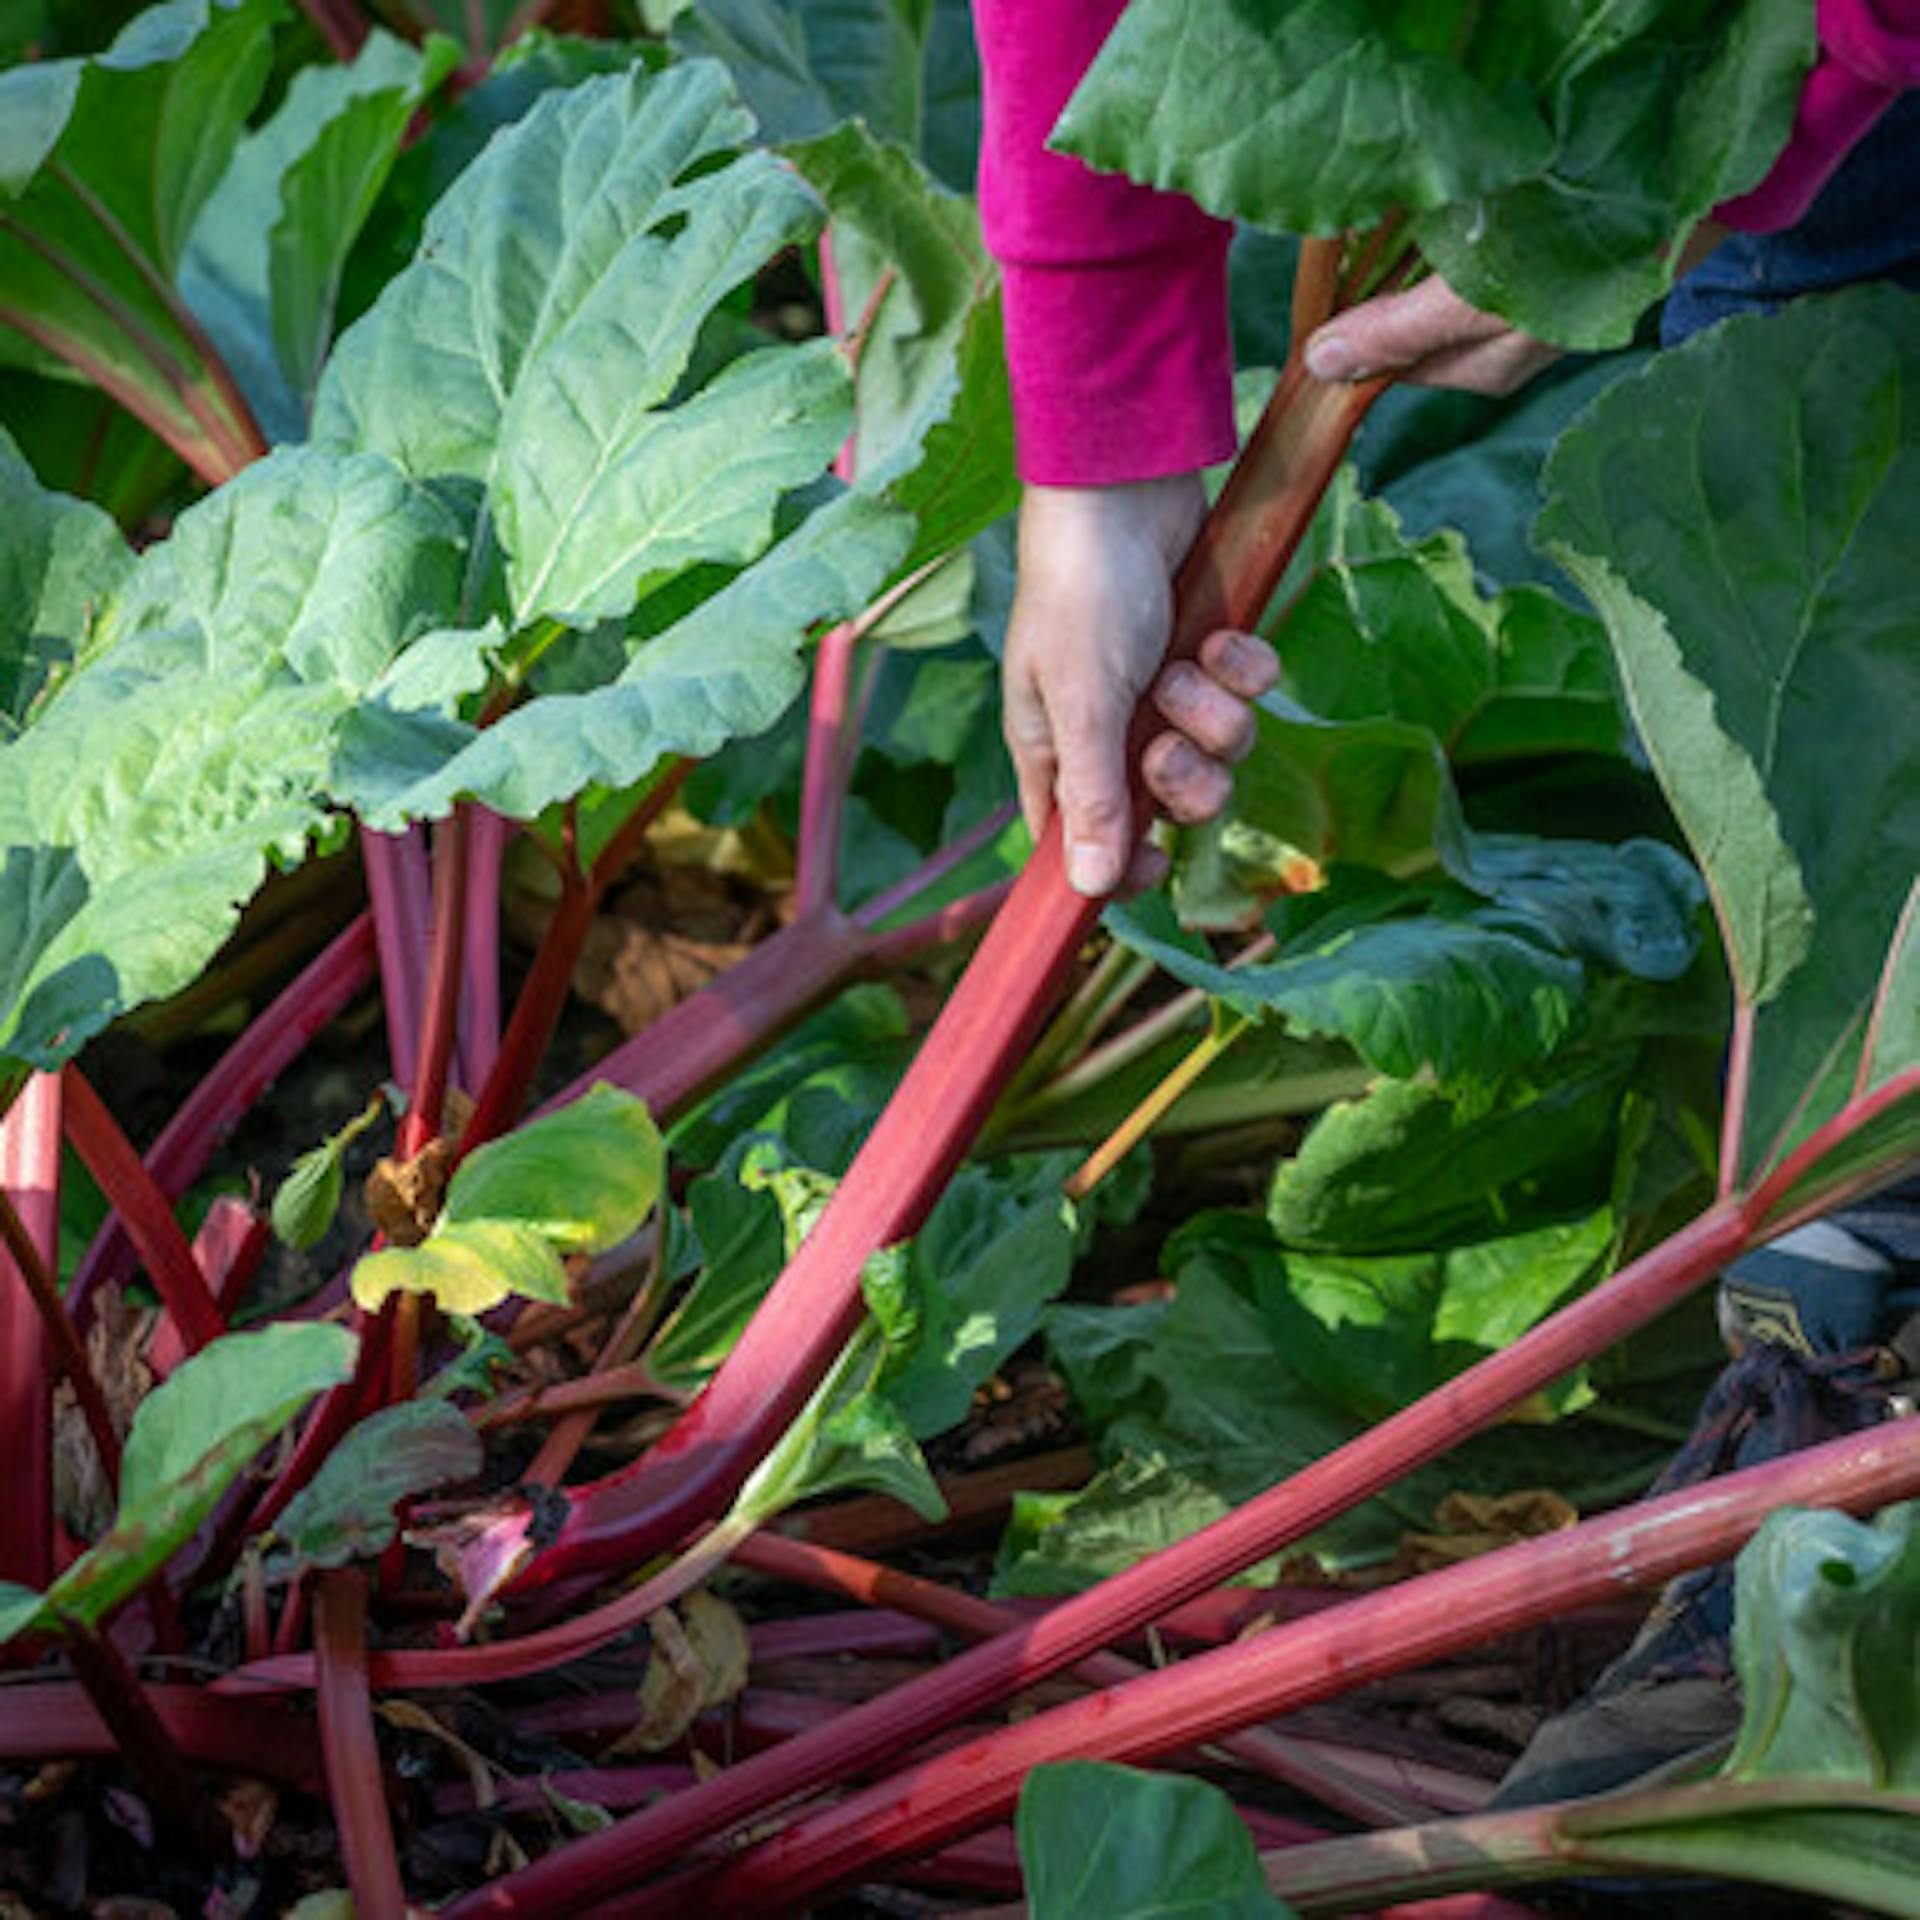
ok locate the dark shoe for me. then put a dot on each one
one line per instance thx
(1825, 1339)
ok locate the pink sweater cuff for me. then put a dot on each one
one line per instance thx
(1150, 393)
(1869, 54)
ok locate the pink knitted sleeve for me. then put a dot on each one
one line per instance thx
(1116, 296)
(1869, 53)
(1116, 312)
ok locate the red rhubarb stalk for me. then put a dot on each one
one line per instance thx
(1308, 1766)
(1129, 1601)
(1386, 1632)
(157, 1236)
(144, 1742)
(975, 1046)
(488, 837)
(571, 1639)
(356, 1784)
(536, 1013)
(399, 895)
(30, 1181)
(55, 1720)
(246, 1070)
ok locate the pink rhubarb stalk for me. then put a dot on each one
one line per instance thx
(271, 1043)
(1387, 1632)
(975, 1046)
(1129, 1601)
(356, 1783)
(157, 1236)
(30, 1178)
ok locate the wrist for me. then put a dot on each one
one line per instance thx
(1163, 513)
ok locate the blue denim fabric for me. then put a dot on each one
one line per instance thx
(1864, 226)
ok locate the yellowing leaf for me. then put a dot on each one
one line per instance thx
(467, 1267)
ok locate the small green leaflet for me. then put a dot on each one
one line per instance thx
(190, 1438)
(576, 1181)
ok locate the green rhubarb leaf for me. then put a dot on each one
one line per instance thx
(1305, 115)
(1656, 120)
(583, 1178)
(727, 670)
(1389, 628)
(190, 1439)
(905, 67)
(1739, 515)
(105, 164)
(1410, 1166)
(139, 808)
(911, 266)
(1549, 156)
(348, 1510)
(536, 345)
(1825, 1613)
(59, 560)
(1895, 1040)
(994, 1252)
(1468, 997)
(264, 265)
(1136, 1846)
(468, 1267)
(305, 1202)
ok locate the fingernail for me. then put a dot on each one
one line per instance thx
(1091, 869)
(1330, 357)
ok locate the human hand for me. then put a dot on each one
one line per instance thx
(1428, 337)
(1091, 618)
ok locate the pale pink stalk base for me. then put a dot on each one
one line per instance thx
(401, 895)
(30, 1175)
(489, 836)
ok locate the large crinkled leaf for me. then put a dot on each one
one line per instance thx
(1136, 1846)
(1741, 515)
(1548, 154)
(313, 567)
(138, 809)
(906, 67)
(104, 165)
(59, 560)
(264, 265)
(728, 670)
(190, 1438)
(1384, 627)
(538, 338)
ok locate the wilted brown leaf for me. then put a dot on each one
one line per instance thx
(699, 1660)
(405, 1196)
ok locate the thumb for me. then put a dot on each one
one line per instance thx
(1096, 803)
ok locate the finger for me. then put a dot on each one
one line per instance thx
(1215, 720)
(1243, 663)
(1029, 738)
(1189, 785)
(1147, 868)
(1396, 331)
(1494, 367)
(1096, 807)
